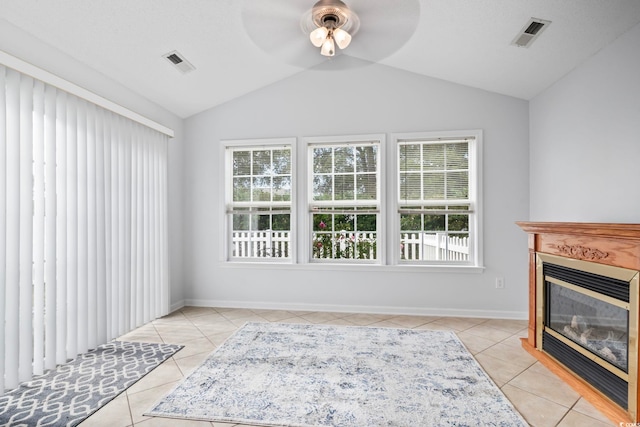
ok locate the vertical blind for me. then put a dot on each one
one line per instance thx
(83, 226)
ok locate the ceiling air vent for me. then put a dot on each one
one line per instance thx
(179, 62)
(530, 32)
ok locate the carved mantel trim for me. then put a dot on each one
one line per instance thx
(581, 252)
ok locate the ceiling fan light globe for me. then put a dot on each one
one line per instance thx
(318, 36)
(341, 37)
(328, 47)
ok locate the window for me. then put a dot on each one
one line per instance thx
(425, 212)
(259, 192)
(437, 185)
(344, 199)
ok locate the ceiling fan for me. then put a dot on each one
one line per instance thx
(366, 30)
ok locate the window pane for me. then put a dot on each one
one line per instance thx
(322, 222)
(366, 159)
(282, 162)
(409, 157)
(322, 187)
(458, 156)
(410, 186)
(458, 185)
(322, 160)
(282, 188)
(241, 163)
(241, 189)
(344, 187)
(410, 222)
(262, 189)
(366, 189)
(434, 222)
(262, 162)
(344, 159)
(241, 222)
(458, 222)
(433, 157)
(433, 186)
(344, 222)
(281, 222)
(366, 222)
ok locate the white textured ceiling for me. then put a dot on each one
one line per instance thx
(463, 41)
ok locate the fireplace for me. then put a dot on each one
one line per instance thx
(583, 316)
(584, 322)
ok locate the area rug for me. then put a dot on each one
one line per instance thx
(317, 375)
(67, 395)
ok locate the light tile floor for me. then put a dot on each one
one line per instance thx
(542, 398)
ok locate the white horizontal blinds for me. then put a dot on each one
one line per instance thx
(345, 174)
(261, 176)
(83, 231)
(434, 173)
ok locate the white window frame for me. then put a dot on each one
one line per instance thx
(475, 197)
(227, 148)
(306, 236)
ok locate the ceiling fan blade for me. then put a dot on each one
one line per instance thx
(275, 27)
(385, 26)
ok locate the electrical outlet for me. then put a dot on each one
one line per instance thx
(499, 282)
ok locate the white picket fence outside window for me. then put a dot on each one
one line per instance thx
(414, 246)
(434, 247)
(261, 244)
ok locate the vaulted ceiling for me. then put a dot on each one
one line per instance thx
(463, 41)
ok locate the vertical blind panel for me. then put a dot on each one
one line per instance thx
(38, 228)
(50, 212)
(12, 258)
(3, 219)
(26, 229)
(163, 235)
(61, 228)
(83, 228)
(101, 301)
(72, 229)
(92, 246)
(127, 213)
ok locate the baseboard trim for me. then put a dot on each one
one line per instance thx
(177, 306)
(338, 308)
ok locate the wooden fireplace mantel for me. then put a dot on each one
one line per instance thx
(604, 243)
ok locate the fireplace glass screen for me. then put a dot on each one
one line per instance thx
(598, 326)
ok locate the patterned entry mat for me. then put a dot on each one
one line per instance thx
(67, 395)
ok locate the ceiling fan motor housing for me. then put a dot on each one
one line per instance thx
(330, 13)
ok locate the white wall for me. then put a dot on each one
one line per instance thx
(585, 140)
(30, 49)
(372, 99)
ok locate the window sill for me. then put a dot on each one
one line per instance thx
(457, 269)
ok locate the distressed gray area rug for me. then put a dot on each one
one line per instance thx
(67, 395)
(317, 375)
